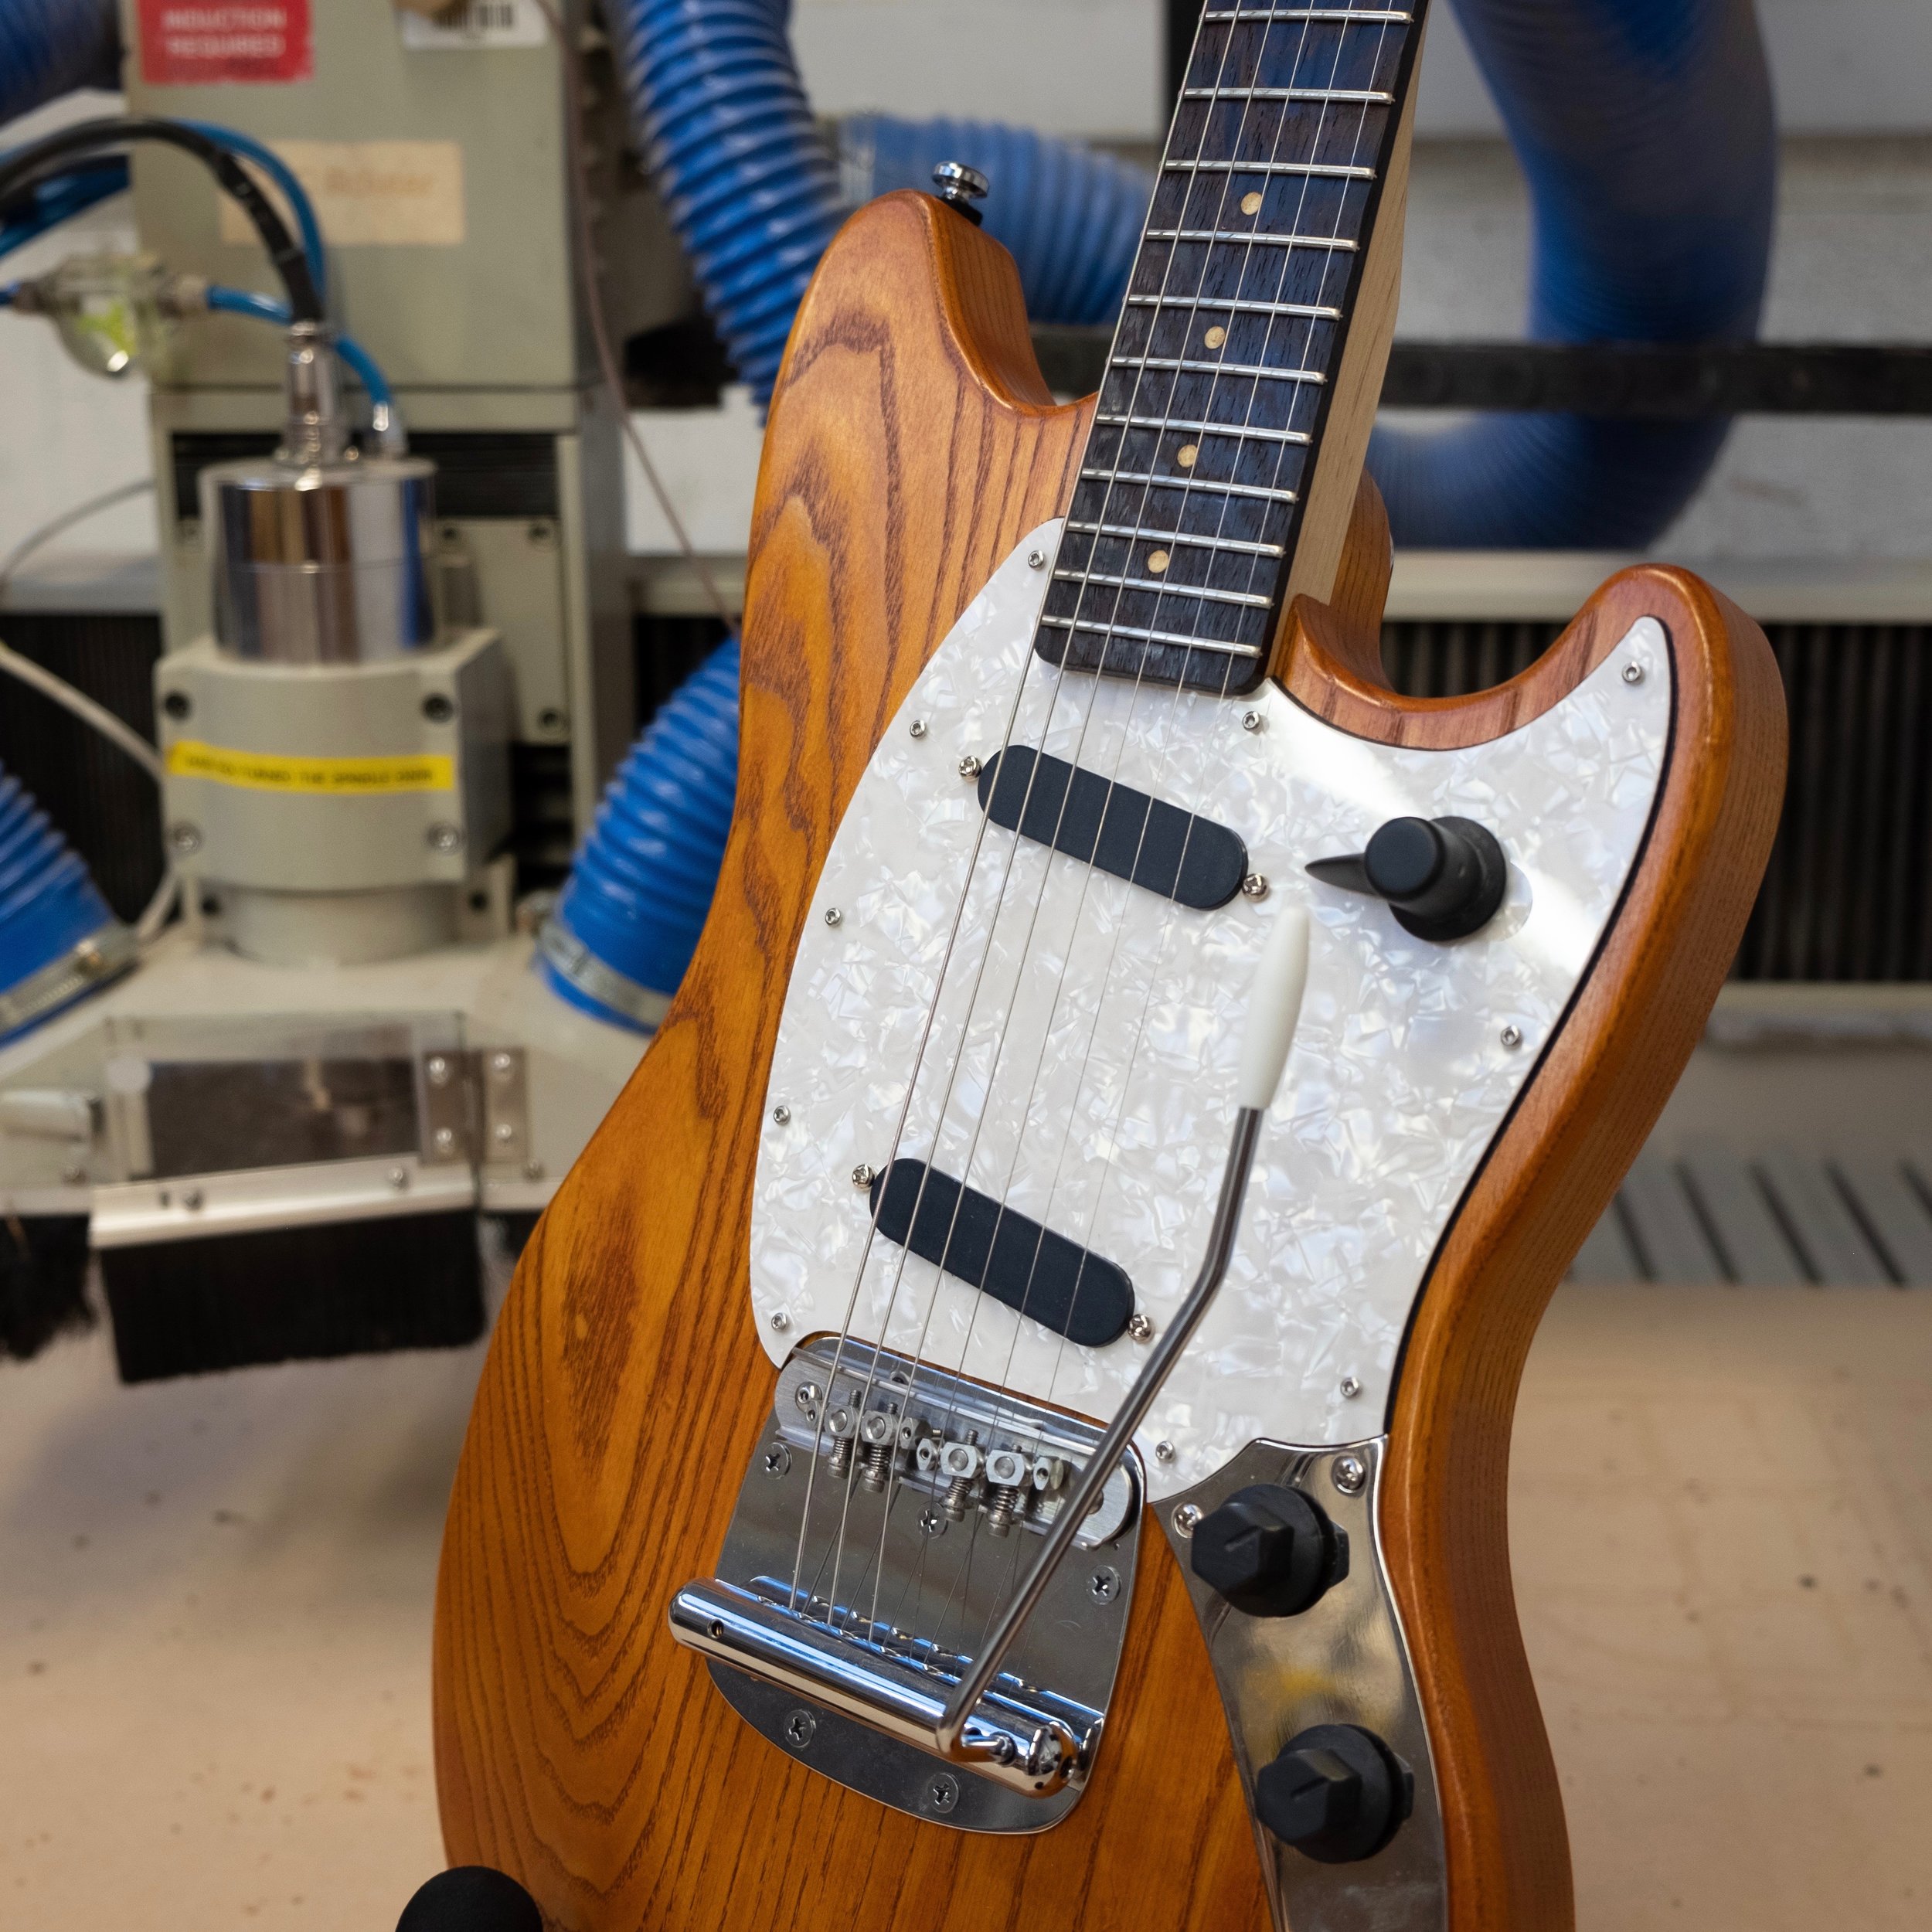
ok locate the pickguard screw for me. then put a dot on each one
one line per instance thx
(1633, 673)
(1253, 721)
(1163, 1451)
(1254, 886)
(1036, 559)
(1139, 1327)
(969, 766)
(799, 1727)
(780, 1322)
(777, 1460)
(1350, 1473)
(1350, 1388)
(864, 1175)
(834, 916)
(932, 1522)
(1103, 1586)
(1512, 1037)
(917, 727)
(781, 1115)
(943, 1793)
(1185, 1518)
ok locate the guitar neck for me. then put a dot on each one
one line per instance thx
(1239, 393)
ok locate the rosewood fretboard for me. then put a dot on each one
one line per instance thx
(1183, 525)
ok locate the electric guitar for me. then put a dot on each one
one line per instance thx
(955, 1453)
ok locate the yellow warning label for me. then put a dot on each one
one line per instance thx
(331, 777)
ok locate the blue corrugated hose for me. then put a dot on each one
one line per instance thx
(49, 902)
(1645, 129)
(627, 921)
(50, 47)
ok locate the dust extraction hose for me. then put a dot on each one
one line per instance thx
(49, 48)
(1645, 131)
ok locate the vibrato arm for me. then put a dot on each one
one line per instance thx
(1273, 1012)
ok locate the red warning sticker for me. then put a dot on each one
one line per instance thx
(191, 43)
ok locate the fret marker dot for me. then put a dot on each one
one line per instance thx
(1215, 337)
(1250, 204)
(1186, 453)
(1157, 561)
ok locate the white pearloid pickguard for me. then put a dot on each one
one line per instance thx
(1094, 1088)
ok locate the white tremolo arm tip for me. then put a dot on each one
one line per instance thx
(1274, 1008)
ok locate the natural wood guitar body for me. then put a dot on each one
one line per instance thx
(911, 445)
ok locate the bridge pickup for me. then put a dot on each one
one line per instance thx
(1041, 1274)
(1194, 861)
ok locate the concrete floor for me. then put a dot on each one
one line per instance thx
(215, 1613)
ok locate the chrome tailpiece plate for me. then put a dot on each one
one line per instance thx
(1343, 1661)
(889, 1512)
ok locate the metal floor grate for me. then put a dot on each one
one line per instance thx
(1777, 1216)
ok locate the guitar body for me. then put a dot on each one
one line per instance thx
(911, 446)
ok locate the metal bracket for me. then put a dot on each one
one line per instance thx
(929, 1496)
(475, 1107)
(1343, 1661)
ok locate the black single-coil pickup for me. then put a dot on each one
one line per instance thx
(1043, 1275)
(1194, 861)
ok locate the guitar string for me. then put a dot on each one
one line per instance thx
(965, 1044)
(1168, 917)
(1200, 299)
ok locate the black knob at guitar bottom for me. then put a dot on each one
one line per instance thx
(1442, 878)
(1269, 1550)
(1337, 1794)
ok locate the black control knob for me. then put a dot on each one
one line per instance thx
(1443, 877)
(1337, 1793)
(1269, 1550)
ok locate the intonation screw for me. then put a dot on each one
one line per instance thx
(1163, 1451)
(1255, 885)
(864, 1175)
(1350, 1388)
(969, 766)
(781, 1115)
(917, 727)
(1139, 1327)
(780, 1322)
(1512, 1037)
(1252, 721)
(1349, 1474)
(834, 916)
(1185, 1518)
(1036, 559)
(1633, 673)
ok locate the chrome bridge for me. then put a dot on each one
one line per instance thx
(839, 1626)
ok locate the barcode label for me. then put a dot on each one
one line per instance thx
(477, 23)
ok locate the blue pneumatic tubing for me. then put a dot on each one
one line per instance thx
(48, 48)
(48, 901)
(642, 881)
(1070, 215)
(1645, 131)
(269, 308)
(284, 178)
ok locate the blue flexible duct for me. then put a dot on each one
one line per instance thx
(1071, 216)
(49, 48)
(48, 905)
(1644, 128)
(627, 921)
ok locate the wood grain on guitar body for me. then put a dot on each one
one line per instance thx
(1048, 711)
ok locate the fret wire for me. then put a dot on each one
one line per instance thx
(1327, 170)
(1314, 311)
(1249, 235)
(1370, 97)
(1071, 625)
(1339, 16)
(1203, 429)
(1138, 534)
(1189, 364)
(1247, 598)
(1191, 483)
